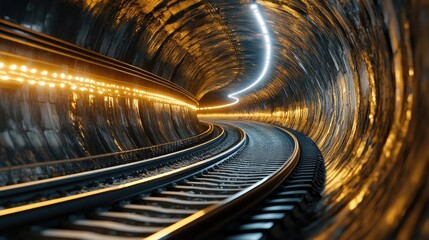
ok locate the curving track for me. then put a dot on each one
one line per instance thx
(20, 174)
(221, 187)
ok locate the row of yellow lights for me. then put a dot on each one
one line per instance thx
(24, 75)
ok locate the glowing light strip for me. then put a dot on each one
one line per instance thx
(12, 73)
(267, 41)
(236, 100)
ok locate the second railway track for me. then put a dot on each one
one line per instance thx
(39, 200)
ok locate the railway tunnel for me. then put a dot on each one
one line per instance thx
(86, 78)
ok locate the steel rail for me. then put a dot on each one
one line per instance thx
(201, 136)
(16, 216)
(11, 190)
(211, 218)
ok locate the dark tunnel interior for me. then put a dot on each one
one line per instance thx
(351, 75)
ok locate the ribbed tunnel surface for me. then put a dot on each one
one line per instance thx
(352, 75)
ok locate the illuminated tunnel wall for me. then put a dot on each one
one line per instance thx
(182, 41)
(352, 75)
(40, 123)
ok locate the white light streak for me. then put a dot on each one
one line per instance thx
(267, 41)
(236, 100)
(267, 58)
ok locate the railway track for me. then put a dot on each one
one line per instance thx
(82, 190)
(19, 174)
(193, 199)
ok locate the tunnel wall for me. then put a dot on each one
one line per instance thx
(162, 37)
(344, 75)
(39, 123)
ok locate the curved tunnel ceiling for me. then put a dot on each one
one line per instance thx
(187, 42)
(343, 73)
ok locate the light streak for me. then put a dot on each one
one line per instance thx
(12, 73)
(266, 65)
(236, 100)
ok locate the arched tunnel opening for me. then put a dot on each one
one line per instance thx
(112, 76)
